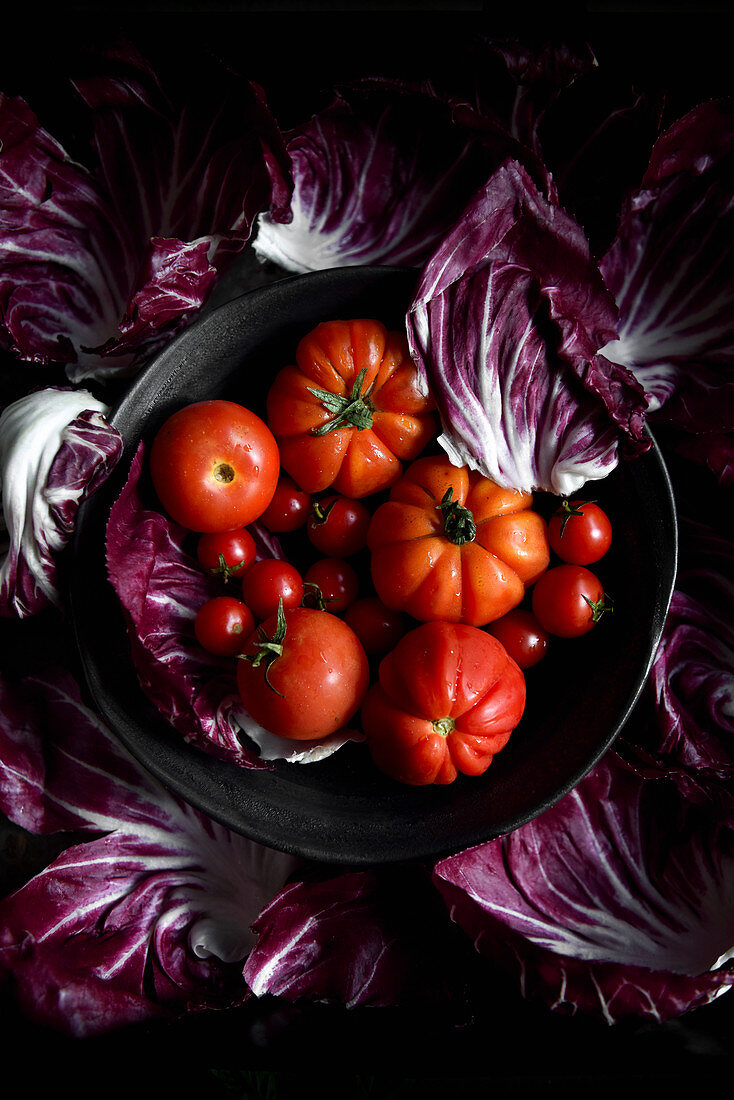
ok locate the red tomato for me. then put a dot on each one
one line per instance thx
(268, 581)
(452, 545)
(579, 532)
(337, 526)
(447, 700)
(522, 636)
(227, 553)
(378, 628)
(214, 466)
(289, 508)
(223, 625)
(569, 600)
(308, 679)
(336, 581)
(351, 411)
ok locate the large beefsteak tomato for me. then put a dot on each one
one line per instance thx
(447, 700)
(351, 410)
(451, 544)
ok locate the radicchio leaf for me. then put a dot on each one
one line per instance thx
(103, 263)
(56, 448)
(151, 916)
(379, 175)
(671, 270)
(615, 902)
(506, 325)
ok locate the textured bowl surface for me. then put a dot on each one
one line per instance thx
(341, 810)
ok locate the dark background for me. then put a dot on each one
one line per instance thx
(269, 1048)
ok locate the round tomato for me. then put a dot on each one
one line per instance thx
(569, 600)
(289, 509)
(336, 583)
(268, 581)
(447, 699)
(579, 532)
(351, 410)
(226, 553)
(379, 628)
(214, 466)
(223, 625)
(337, 526)
(303, 674)
(451, 544)
(522, 636)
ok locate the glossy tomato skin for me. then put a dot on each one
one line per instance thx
(447, 700)
(289, 509)
(214, 466)
(419, 567)
(568, 600)
(318, 682)
(580, 532)
(223, 625)
(237, 548)
(389, 420)
(523, 637)
(269, 580)
(336, 581)
(337, 526)
(379, 628)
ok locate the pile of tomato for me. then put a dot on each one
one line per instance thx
(413, 595)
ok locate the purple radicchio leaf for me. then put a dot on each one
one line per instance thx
(616, 902)
(103, 263)
(506, 325)
(148, 917)
(375, 937)
(379, 176)
(56, 448)
(714, 451)
(161, 587)
(671, 270)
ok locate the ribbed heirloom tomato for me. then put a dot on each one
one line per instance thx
(447, 700)
(351, 410)
(214, 466)
(451, 544)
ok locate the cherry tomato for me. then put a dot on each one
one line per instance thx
(447, 700)
(226, 553)
(351, 411)
(303, 675)
(223, 625)
(379, 628)
(579, 532)
(337, 526)
(268, 581)
(214, 466)
(569, 600)
(336, 581)
(451, 544)
(289, 508)
(522, 636)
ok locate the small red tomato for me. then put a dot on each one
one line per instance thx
(214, 466)
(522, 636)
(579, 532)
(337, 526)
(268, 581)
(379, 628)
(289, 508)
(223, 625)
(336, 582)
(227, 553)
(569, 600)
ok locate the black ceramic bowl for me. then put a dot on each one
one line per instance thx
(342, 810)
